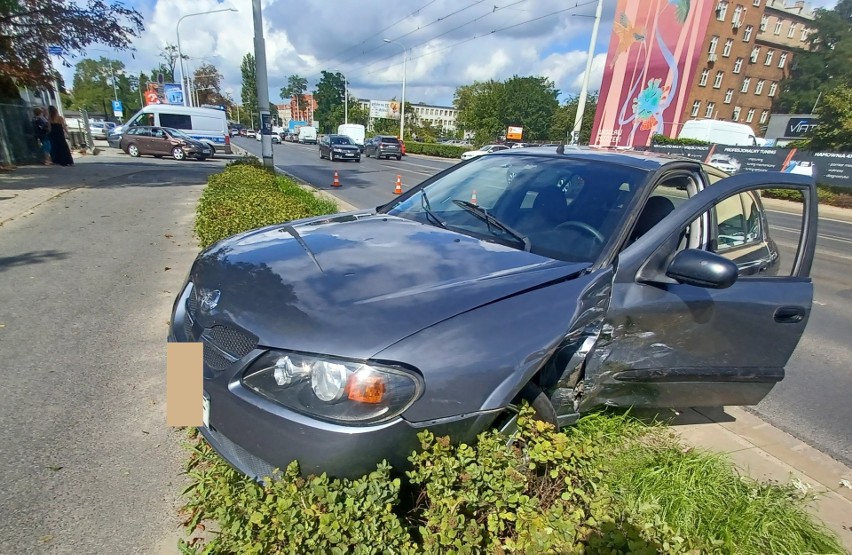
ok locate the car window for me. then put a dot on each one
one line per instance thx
(158, 133)
(143, 131)
(178, 121)
(389, 140)
(567, 208)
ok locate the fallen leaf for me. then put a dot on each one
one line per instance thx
(55, 468)
(168, 236)
(145, 432)
(167, 269)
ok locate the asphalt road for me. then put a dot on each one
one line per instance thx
(87, 280)
(814, 402)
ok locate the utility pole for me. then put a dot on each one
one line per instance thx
(262, 86)
(581, 105)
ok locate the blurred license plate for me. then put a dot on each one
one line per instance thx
(205, 411)
(349, 154)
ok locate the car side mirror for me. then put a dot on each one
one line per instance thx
(702, 269)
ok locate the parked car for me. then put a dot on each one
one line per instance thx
(275, 137)
(383, 146)
(207, 125)
(339, 147)
(483, 150)
(101, 129)
(163, 141)
(581, 278)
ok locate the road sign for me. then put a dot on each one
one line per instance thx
(54, 50)
(117, 108)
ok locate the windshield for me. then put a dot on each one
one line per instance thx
(340, 141)
(563, 208)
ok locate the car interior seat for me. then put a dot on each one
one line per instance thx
(657, 208)
(550, 208)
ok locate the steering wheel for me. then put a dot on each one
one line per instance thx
(586, 228)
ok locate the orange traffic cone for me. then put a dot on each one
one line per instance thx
(473, 197)
(336, 182)
(398, 189)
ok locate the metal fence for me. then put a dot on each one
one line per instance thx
(18, 144)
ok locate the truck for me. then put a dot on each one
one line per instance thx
(356, 132)
(719, 132)
(308, 134)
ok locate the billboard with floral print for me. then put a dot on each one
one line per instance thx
(654, 52)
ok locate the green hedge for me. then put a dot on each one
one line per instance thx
(663, 140)
(436, 149)
(246, 196)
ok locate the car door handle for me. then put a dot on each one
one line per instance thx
(789, 314)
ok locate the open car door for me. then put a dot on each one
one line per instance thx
(688, 327)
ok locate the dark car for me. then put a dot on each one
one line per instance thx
(383, 146)
(569, 278)
(338, 147)
(162, 141)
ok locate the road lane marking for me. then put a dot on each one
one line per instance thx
(799, 215)
(819, 235)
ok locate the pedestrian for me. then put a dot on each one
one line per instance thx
(60, 152)
(41, 129)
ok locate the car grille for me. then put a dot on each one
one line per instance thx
(239, 458)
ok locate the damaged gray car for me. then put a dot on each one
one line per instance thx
(568, 277)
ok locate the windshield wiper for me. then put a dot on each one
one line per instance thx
(490, 220)
(424, 203)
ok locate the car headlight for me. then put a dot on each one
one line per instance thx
(338, 390)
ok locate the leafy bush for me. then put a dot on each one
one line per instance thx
(436, 149)
(826, 195)
(245, 197)
(663, 140)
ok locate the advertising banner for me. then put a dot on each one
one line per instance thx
(515, 133)
(832, 168)
(152, 94)
(173, 93)
(654, 52)
(384, 109)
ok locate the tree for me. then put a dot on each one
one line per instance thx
(93, 86)
(329, 96)
(835, 111)
(28, 27)
(248, 94)
(207, 81)
(825, 66)
(563, 119)
(170, 57)
(479, 109)
(529, 102)
(295, 90)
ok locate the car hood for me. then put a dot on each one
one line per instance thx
(353, 285)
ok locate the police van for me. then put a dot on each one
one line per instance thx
(208, 125)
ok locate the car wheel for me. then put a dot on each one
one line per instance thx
(399, 157)
(178, 153)
(539, 402)
(331, 156)
(133, 150)
(321, 155)
(358, 160)
(367, 154)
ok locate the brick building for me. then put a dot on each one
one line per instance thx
(303, 113)
(748, 49)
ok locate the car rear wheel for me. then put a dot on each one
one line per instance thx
(178, 153)
(399, 157)
(133, 150)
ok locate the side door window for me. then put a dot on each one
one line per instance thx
(176, 121)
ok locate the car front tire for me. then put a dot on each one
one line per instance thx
(133, 150)
(178, 153)
(331, 156)
(399, 158)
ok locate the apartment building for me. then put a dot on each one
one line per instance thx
(440, 117)
(748, 50)
(305, 112)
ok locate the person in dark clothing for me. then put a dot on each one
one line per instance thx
(41, 129)
(60, 152)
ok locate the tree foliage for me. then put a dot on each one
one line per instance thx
(93, 90)
(295, 89)
(835, 111)
(248, 94)
(329, 96)
(169, 55)
(825, 66)
(563, 119)
(28, 27)
(207, 81)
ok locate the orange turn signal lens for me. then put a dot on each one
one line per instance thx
(368, 388)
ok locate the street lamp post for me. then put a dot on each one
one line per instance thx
(401, 104)
(183, 80)
(581, 106)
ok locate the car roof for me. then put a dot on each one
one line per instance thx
(640, 159)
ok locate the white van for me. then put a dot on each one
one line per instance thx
(719, 132)
(355, 131)
(208, 125)
(308, 134)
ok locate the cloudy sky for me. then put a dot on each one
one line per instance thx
(450, 42)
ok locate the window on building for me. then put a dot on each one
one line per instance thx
(714, 42)
(736, 115)
(756, 3)
(738, 16)
(764, 115)
(728, 45)
(747, 33)
(750, 115)
(718, 81)
(755, 52)
(763, 21)
(721, 10)
(769, 54)
(695, 107)
(729, 94)
(778, 27)
(704, 75)
(773, 88)
(746, 85)
(711, 107)
(759, 87)
(805, 32)
(738, 65)
(782, 60)
(791, 32)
